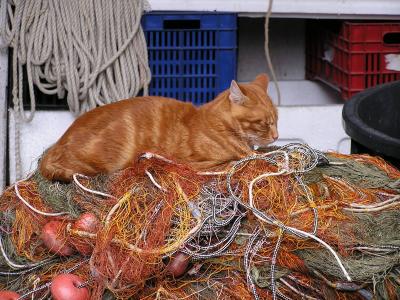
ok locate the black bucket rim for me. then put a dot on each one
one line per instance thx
(363, 133)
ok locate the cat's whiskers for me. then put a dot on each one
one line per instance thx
(255, 142)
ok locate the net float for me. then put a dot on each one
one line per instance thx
(67, 287)
(178, 264)
(87, 222)
(54, 238)
(9, 295)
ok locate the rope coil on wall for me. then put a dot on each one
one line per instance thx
(92, 51)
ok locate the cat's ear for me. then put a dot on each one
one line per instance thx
(235, 94)
(262, 80)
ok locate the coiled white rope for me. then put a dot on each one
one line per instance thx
(92, 50)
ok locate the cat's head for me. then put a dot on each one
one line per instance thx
(253, 111)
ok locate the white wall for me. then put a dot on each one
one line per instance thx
(318, 126)
(3, 114)
(36, 137)
(377, 9)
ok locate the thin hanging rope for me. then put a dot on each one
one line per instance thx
(267, 51)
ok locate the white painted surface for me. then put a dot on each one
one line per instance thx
(301, 8)
(3, 114)
(36, 137)
(3, 98)
(304, 92)
(392, 62)
(319, 126)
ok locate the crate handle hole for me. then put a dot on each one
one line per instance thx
(181, 24)
(392, 38)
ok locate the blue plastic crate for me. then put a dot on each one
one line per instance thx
(192, 56)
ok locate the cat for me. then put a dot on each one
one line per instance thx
(111, 137)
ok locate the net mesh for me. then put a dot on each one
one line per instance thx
(292, 222)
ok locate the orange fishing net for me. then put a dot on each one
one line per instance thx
(258, 230)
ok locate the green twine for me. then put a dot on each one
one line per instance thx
(362, 174)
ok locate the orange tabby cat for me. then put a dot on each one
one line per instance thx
(111, 137)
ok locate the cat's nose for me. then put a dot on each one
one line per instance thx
(275, 136)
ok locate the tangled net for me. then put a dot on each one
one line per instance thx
(286, 224)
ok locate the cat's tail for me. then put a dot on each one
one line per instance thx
(52, 166)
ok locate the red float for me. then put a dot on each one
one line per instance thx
(54, 237)
(178, 264)
(65, 287)
(9, 295)
(87, 222)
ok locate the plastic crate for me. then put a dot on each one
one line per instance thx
(192, 57)
(353, 56)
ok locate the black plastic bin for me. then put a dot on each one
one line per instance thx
(372, 120)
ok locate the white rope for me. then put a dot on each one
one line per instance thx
(285, 169)
(375, 205)
(76, 181)
(301, 232)
(24, 201)
(151, 177)
(94, 50)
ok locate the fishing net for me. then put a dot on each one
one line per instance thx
(290, 223)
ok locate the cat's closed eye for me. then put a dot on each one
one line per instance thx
(266, 124)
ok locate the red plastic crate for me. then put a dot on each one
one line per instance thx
(353, 56)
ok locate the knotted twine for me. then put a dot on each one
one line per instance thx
(92, 51)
